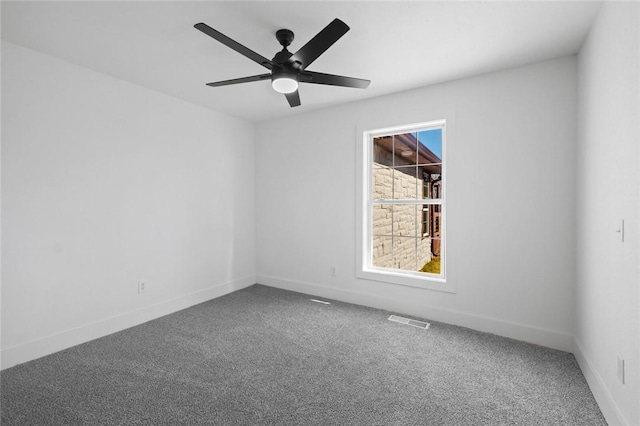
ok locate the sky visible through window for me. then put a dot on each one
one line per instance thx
(432, 139)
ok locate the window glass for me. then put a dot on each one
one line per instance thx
(406, 204)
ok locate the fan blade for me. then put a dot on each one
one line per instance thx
(255, 57)
(333, 80)
(293, 98)
(319, 44)
(239, 80)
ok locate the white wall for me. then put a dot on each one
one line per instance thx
(608, 275)
(105, 183)
(510, 210)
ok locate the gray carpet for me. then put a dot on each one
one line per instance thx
(264, 356)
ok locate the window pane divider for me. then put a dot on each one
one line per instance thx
(434, 201)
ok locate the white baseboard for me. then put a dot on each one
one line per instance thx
(66, 339)
(607, 405)
(548, 338)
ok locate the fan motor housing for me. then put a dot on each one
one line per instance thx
(284, 73)
(282, 57)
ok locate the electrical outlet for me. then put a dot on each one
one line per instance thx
(333, 271)
(621, 369)
(142, 287)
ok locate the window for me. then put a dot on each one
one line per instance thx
(403, 204)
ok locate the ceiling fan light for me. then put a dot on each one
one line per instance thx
(284, 84)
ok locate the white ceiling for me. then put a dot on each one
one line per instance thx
(397, 45)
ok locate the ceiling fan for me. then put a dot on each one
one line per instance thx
(288, 69)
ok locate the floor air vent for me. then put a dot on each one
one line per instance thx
(409, 321)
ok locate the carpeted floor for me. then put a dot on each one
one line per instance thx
(265, 356)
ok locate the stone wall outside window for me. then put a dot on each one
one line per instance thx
(397, 229)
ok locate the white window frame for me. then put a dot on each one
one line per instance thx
(364, 267)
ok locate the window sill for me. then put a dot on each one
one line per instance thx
(408, 279)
